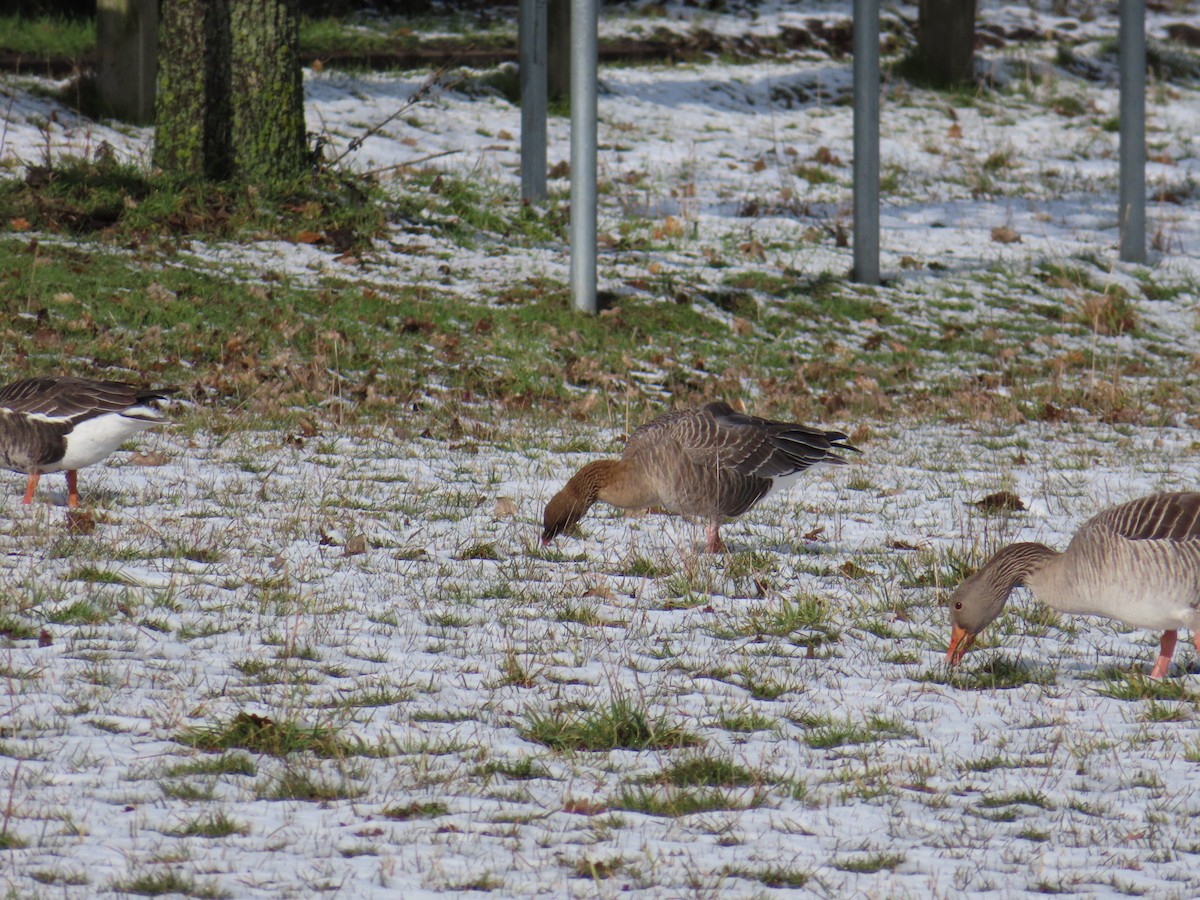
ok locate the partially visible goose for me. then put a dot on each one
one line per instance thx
(711, 462)
(1138, 563)
(56, 424)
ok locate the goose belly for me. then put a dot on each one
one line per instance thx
(1157, 600)
(95, 439)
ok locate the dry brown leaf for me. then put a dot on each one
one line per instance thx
(506, 508)
(309, 237)
(584, 807)
(80, 521)
(954, 132)
(153, 458)
(1002, 234)
(355, 546)
(1001, 500)
(19, 224)
(851, 569)
(672, 227)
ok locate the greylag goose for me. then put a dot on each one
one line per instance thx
(711, 462)
(56, 424)
(1138, 563)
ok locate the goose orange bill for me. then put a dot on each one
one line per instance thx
(960, 640)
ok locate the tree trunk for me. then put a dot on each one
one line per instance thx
(192, 110)
(268, 91)
(946, 41)
(127, 38)
(230, 93)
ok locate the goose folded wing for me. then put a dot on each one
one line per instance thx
(1170, 517)
(766, 449)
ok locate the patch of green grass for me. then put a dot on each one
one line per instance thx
(803, 616)
(294, 784)
(225, 764)
(260, 734)
(871, 862)
(93, 611)
(703, 770)
(994, 672)
(620, 725)
(212, 825)
(10, 841)
(524, 769)
(766, 682)
(1003, 761)
(771, 876)
(641, 567)
(16, 630)
(1024, 798)
(87, 196)
(71, 879)
(823, 732)
(745, 720)
(416, 810)
(675, 802)
(1123, 685)
(166, 881)
(479, 550)
(42, 37)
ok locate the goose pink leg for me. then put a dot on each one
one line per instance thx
(33, 483)
(713, 542)
(72, 488)
(1165, 652)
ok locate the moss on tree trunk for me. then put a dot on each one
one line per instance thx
(230, 95)
(192, 107)
(268, 93)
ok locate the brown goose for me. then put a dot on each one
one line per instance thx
(57, 424)
(1138, 563)
(711, 462)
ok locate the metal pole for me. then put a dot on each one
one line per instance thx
(532, 29)
(584, 54)
(1132, 212)
(866, 141)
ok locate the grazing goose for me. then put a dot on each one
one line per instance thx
(711, 462)
(1138, 563)
(56, 424)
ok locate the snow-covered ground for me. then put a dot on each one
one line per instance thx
(394, 590)
(226, 582)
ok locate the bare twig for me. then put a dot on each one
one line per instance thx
(411, 162)
(412, 100)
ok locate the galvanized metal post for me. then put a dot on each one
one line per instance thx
(532, 29)
(866, 141)
(1132, 212)
(584, 55)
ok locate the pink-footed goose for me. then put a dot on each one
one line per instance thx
(711, 462)
(1138, 563)
(55, 424)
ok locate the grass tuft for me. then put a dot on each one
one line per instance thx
(621, 725)
(259, 734)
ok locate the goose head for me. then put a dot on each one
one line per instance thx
(980, 598)
(975, 604)
(571, 504)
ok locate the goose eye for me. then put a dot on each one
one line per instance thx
(958, 604)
